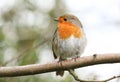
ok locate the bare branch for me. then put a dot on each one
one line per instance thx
(63, 65)
(21, 53)
(80, 80)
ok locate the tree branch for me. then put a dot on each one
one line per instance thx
(63, 65)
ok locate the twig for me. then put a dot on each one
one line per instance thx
(23, 53)
(77, 78)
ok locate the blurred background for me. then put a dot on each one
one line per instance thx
(27, 27)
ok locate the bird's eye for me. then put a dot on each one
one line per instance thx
(65, 19)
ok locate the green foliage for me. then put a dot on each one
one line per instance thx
(1, 58)
(2, 80)
(1, 35)
(29, 79)
(1, 45)
(19, 30)
(28, 58)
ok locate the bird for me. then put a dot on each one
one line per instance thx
(69, 39)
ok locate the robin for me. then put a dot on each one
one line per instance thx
(69, 39)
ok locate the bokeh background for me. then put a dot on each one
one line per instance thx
(27, 27)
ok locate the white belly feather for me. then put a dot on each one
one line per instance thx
(71, 47)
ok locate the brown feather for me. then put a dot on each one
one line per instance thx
(61, 73)
(54, 45)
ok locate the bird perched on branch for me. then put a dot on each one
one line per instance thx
(69, 39)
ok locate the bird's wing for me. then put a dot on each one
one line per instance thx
(54, 44)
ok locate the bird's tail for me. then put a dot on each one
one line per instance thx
(61, 73)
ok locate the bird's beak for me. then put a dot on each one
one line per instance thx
(56, 19)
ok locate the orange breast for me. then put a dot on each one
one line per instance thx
(67, 29)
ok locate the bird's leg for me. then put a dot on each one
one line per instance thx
(61, 59)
